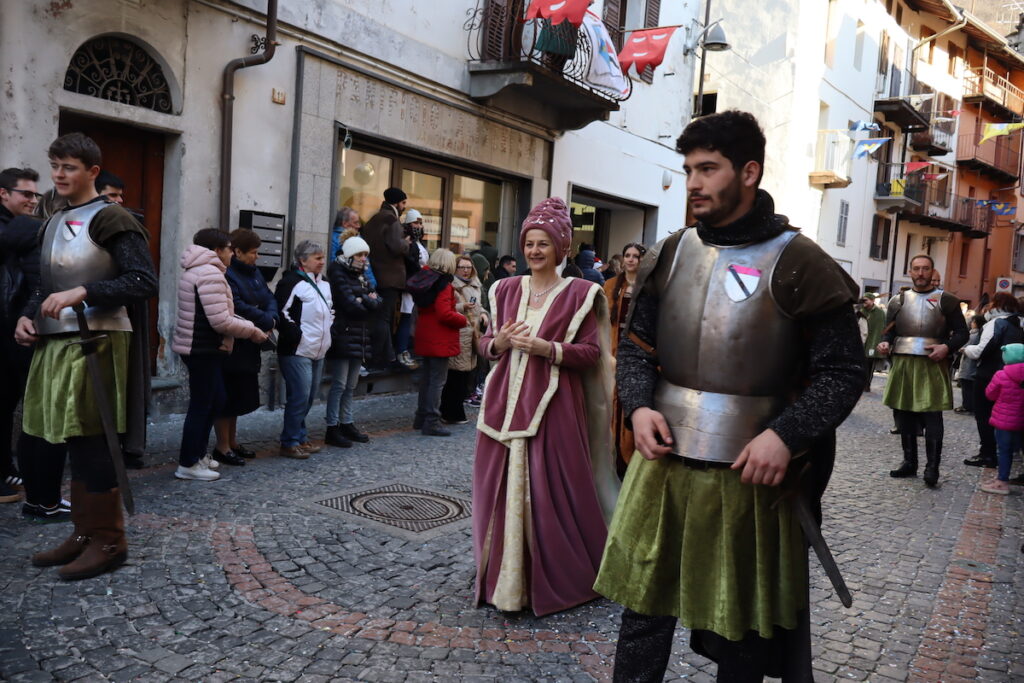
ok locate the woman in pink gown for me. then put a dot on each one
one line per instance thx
(544, 483)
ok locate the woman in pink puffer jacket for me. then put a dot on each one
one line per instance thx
(1006, 391)
(203, 336)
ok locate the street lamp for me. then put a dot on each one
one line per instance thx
(711, 38)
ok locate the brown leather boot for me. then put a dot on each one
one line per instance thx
(74, 544)
(107, 548)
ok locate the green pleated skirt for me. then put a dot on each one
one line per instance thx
(59, 399)
(918, 385)
(706, 548)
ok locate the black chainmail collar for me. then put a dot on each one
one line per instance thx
(759, 224)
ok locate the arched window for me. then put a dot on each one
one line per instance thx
(116, 69)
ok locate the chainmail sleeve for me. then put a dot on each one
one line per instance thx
(636, 370)
(136, 280)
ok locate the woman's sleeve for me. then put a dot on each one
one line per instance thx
(214, 295)
(445, 307)
(974, 351)
(256, 314)
(584, 350)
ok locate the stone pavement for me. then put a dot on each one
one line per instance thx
(245, 578)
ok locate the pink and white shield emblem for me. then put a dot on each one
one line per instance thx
(741, 281)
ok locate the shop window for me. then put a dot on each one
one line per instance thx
(366, 176)
(426, 195)
(476, 211)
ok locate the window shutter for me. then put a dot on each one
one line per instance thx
(613, 21)
(652, 12)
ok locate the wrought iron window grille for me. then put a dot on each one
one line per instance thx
(119, 70)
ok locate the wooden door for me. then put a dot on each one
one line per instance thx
(136, 156)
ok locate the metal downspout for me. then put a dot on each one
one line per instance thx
(228, 110)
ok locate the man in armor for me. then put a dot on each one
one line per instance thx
(742, 357)
(93, 254)
(924, 328)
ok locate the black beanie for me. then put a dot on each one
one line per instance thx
(394, 195)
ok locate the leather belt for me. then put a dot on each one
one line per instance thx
(695, 464)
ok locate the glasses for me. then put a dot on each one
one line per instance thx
(27, 194)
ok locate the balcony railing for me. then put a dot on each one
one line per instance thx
(897, 188)
(832, 159)
(498, 32)
(982, 82)
(937, 140)
(892, 99)
(998, 156)
(977, 220)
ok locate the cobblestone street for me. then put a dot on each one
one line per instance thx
(250, 578)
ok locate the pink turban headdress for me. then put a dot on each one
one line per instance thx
(551, 216)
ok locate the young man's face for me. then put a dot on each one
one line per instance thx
(714, 188)
(71, 178)
(21, 200)
(114, 194)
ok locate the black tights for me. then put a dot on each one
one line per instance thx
(90, 462)
(645, 644)
(42, 469)
(908, 423)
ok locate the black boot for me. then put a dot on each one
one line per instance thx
(334, 437)
(349, 431)
(431, 427)
(909, 466)
(980, 461)
(933, 453)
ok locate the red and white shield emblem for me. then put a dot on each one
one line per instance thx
(71, 229)
(741, 281)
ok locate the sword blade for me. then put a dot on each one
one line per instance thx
(817, 541)
(106, 409)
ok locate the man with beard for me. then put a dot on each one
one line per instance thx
(924, 328)
(742, 356)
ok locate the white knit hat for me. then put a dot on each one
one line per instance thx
(354, 245)
(411, 216)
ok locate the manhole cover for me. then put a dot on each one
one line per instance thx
(410, 510)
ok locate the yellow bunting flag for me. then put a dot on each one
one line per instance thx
(993, 130)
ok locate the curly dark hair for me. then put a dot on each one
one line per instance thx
(735, 134)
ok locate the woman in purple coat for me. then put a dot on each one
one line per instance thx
(544, 481)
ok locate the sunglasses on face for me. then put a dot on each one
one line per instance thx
(27, 194)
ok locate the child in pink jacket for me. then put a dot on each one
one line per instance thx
(1006, 390)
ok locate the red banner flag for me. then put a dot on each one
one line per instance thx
(645, 48)
(558, 11)
(913, 166)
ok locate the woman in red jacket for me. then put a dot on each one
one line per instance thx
(437, 335)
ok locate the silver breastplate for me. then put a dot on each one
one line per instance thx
(727, 353)
(70, 258)
(919, 323)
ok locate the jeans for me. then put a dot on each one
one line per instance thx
(383, 351)
(1007, 443)
(403, 337)
(982, 413)
(205, 402)
(344, 378)
(433, 371)
(301, 380)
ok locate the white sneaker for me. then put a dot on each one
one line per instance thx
(198, 472)
(209, 463)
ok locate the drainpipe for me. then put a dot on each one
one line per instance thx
(227, 113)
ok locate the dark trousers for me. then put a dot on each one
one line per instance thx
(42, 469)
(456, 388)
(982, 413)
(913, 423)
(380, 332)
(14, 363)
(433, 372)
(91, 463)
(645, 644)
(967, 394)
(205, 402)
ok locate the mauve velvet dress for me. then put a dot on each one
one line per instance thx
(534, 436)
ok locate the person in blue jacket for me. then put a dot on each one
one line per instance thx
(255, 302)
